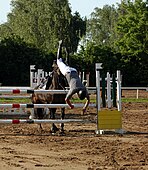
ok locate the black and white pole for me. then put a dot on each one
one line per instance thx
(33, 76)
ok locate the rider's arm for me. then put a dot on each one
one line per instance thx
(59, 53)
(69, 103)
(68, 97)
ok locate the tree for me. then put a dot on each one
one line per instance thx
(100, 27)
(78, 30)
(132, 40)
(44, 22)
(132, 27)
(40, 22)
(15, 59)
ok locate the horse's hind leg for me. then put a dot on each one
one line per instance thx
(62, 117)
(54, 129)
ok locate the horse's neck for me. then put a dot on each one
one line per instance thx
(55, 82)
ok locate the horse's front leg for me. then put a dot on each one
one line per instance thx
(54, 129)
(62, 117)
(35, 114)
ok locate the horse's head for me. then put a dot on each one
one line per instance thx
(56, 68)
(42, 84)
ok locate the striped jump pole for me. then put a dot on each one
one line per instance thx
(17, 105)
(15, 87)
(31, 91)
(39, 121)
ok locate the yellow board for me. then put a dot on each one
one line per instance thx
(109, 119)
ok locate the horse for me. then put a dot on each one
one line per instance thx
(56, 81)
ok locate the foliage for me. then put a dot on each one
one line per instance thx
(77, 31)
(132, 40)
(15, 59)
(100, 27)
(45, 22)
(132, 27)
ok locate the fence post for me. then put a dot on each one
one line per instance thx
(98, 101)
(114, 91)
(103, 91)
(118, 90)
(109, 103)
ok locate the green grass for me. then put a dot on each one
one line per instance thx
(11, 100)
(133, 100)
(23, 100)
(124, 100)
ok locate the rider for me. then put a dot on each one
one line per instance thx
(74, 81)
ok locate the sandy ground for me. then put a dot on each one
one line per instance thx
(25, 147)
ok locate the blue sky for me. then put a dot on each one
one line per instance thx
(84, 7)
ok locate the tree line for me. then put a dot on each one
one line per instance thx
(114, 36)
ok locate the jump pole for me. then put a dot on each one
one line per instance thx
(17, 105)
(39, 121)
(32, 91)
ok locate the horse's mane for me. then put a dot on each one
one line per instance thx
(55, 80)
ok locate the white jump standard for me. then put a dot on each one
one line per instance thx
(108, 119)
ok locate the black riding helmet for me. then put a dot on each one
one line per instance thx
(82, 94)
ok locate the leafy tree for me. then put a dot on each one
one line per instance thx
(5, 31)
(78, 30)
(132, 27)
(100, 27)
(44, 22)
(132, 39)
(40, 22)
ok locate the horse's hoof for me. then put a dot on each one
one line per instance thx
(32, 117)
(54, 130)
(62, 133)
(53, 133)
(41, 131)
